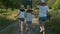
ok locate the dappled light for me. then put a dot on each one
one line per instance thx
(9, 9)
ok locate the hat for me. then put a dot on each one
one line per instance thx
(22, 6)
(43, 1)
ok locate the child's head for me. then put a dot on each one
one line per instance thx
(22, 6)
(43, 2)
(28, 7)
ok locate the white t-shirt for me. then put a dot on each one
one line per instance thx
(22, 14)
(42, 10)
(29, 17)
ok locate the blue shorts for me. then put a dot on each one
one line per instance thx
(29, 22)
(42, 19)
(22, 19)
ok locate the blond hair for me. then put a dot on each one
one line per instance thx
(28, 7)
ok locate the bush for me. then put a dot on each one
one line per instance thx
(54, 25)
(7, 18)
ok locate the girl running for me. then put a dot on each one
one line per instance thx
(21, 17)
(28, 19)
(43, 10)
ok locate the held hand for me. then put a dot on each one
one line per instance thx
(15, 16)
(33, 15)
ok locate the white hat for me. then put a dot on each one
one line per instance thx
(42, 1)
(22, 6)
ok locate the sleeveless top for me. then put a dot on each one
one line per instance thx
(22, 13)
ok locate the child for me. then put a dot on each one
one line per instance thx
(28, 18)
(21, 17)
(43, 10)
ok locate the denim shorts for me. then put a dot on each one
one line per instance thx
(22, 19)
(42, 19)
(29, 22)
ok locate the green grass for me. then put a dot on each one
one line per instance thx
(54, 25)
(7, 17)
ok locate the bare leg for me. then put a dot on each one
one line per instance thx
(21, 26)
(28, 28)
(42, 27)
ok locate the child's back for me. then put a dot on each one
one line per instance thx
(43, 11)
(22, 12)
(29, 15)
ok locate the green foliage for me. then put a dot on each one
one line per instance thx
(54, 24)
(16, 3)
(7, 17)
(34, 2)
(4, 22)
(10, 3)
(56, 5)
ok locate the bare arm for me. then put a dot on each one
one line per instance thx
(37, 5)
(47, 12)
(25, 14)
(17, 15)
(49, 16)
